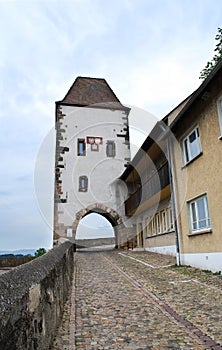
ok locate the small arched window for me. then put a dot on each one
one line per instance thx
(69, 232)
(81, 147)
(83, 183)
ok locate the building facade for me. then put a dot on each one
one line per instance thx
(198, 129)
(182, 216)
(149, 204)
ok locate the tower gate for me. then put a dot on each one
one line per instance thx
(92, 151)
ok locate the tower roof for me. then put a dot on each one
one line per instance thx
(88, 91)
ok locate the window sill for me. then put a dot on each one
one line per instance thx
(200, 232)
(192, 160)
(160, 234)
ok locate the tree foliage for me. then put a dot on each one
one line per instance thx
(40, 252)
(216, 58)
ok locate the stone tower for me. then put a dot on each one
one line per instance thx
(92, 150)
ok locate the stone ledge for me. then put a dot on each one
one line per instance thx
(32, 299)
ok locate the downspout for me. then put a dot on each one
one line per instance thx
(173, 201)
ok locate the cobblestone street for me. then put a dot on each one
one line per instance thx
(140, 300)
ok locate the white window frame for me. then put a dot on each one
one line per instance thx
(158, 223)
(186, 145)
(164, 221)
(170, 219)
(196, 224)
(69, 232)
(153, 226)
(219, 111)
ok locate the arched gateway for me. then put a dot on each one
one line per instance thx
(111, 215)
(92, 151)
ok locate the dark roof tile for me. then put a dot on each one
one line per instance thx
(89, 91)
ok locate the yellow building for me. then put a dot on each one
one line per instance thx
(197, 167)
(175, 181)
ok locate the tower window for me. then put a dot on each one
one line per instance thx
(83, 183)
(81, 145)
(110, 149)
(69, 232)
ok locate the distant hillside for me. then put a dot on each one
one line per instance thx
(19, 252)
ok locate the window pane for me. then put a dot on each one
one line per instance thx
(194, 215)
(194, 148)
(194, 226)
(201, 209)
(153, 227)
(83, 183)
(81, 148)
(199, 214)
(192, 145)
(202, 223)
(158, 223)
(110, 149)
(192, 137)
(163, 221)
(170, 217)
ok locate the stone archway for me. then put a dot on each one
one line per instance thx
(111, 215)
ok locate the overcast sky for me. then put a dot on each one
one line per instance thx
(149, 51)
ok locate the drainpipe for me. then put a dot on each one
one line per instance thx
(173, 201)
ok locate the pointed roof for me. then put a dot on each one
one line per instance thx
(87, 91)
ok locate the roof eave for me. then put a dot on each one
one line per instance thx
(197, 93)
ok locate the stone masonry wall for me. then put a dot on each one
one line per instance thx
(32, 299)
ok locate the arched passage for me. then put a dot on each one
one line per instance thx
(94, 230)
(109, 214)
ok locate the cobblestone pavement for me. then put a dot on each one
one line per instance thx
(138, 300)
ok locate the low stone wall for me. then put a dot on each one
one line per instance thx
(32, 298)
(96, 242)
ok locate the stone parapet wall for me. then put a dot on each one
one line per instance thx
(32, 298)
(86, 243)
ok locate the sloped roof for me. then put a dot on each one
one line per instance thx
(197, 93)
(171, 119)
(172, 115)
(88, 91)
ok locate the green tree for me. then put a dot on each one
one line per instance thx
(217, 57)
(40, 252)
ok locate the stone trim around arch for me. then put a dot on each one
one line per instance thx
(92, 208)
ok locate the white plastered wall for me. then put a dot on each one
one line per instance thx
(101, 171)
